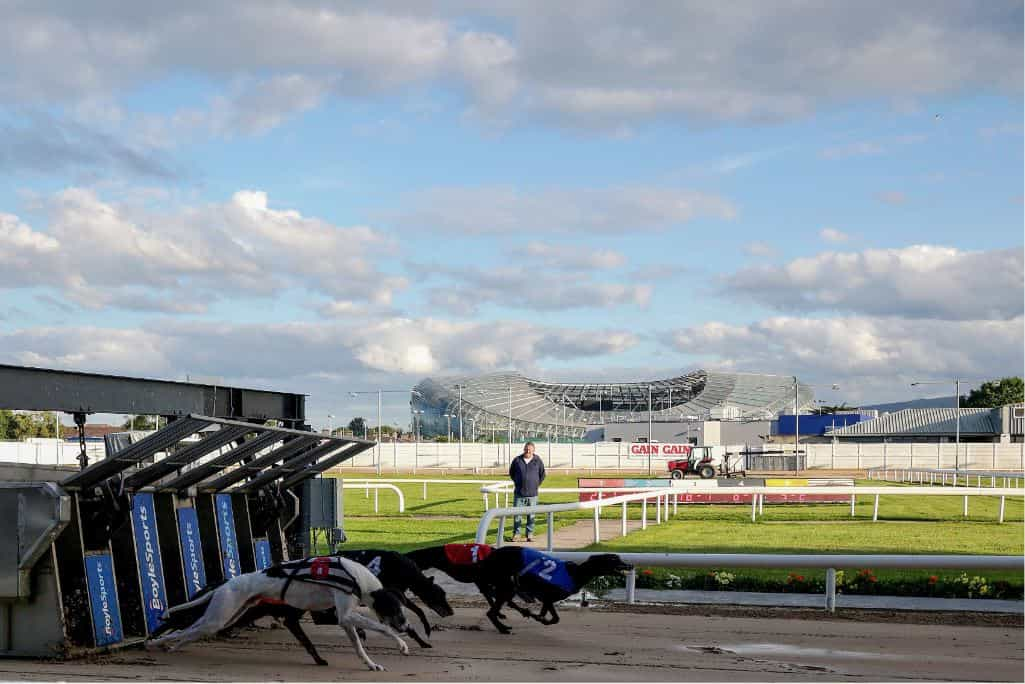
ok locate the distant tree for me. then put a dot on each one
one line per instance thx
(996, 393)
(139, 423)
(358, 426)
(19, 425)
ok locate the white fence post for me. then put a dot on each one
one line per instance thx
(597, 526)
(551, 529)
(875, 509)
(624, 520)
(831, 590)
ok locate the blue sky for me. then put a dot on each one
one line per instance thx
(327, 197)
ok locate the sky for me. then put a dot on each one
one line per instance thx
(334, 197)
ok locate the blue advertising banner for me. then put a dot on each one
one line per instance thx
(99, 573)
(262, 549)
(151, 569)
(226, 531)
(192, 551)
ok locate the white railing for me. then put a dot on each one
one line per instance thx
(945, 476)
(673, 494)
(377, 487)
(660, 495)
(794, 561)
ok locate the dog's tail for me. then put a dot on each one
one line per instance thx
(185, 614)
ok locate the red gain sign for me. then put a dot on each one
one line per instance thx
(642, 449)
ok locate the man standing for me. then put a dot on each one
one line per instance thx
(527, 473)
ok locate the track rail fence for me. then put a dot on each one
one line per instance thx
(830, 562)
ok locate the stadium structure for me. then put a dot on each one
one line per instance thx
(498, 404)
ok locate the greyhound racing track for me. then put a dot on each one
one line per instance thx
(588, 645)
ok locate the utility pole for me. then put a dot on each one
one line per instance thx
(649, 431)
(797, 429)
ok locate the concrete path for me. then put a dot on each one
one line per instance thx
(577, 535)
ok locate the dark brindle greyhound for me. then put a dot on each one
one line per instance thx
(519, 571)
(395, 571)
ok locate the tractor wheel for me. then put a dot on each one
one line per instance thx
(706, 472)
(676, 474)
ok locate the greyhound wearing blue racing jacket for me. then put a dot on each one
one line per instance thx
(534, 576)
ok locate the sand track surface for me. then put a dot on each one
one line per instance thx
(589, 645)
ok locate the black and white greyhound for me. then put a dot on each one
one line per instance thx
(313, 584)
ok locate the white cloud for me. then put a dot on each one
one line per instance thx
(833, 235)
(612, 66)
(508, 211)
(526, 286)
(921, 281)
(396, 347)
(574, 257)
(101, 254)
(861, 353)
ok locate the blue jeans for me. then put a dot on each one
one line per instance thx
(524, 501)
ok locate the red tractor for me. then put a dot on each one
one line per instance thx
(700, 460)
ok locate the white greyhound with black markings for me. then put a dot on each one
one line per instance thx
(313, 584)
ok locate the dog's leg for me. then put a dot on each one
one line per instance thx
(360, 620)
(408, 603)
(502, 597)
(549, 608)
(292, 623)
(486, 592)
(360, 651)
(225, 606)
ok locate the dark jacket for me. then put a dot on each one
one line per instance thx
(527, 476)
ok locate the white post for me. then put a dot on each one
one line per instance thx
(875, 509)
(631, 585)
(761, 504)
(501, 532)
(624, 520)
(644, 514)
(1002, 509)
(597, 525)
(425, 492)
(376, 498)
(754, 506)
(831, 590)
(550, 519)
(852, 505)
(658, 509)
(676, 503)
(599, 503)
(966, 506)
(485, 502)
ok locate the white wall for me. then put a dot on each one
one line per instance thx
(603, 455)
(613, 455)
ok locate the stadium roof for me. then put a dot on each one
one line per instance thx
(538, 405)
(929, 422)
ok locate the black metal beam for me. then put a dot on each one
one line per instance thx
(318, 468)
(292, 465)
(254, 467)
(45, 389)
(133, 454)
(212, 467)
(186, 455)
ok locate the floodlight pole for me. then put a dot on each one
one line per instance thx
(649, 430)
(380, 393)
(460, 456)
(797, 429)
